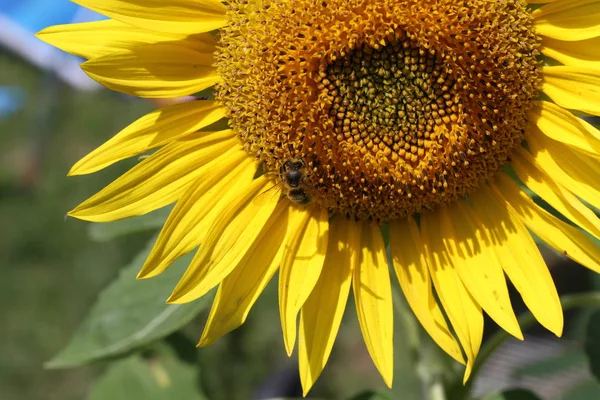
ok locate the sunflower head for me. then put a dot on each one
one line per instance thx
(368, 111)
(396, 107)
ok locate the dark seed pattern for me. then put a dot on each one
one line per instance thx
(394, 96)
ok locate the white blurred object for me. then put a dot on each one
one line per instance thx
(514, 365)
(21, 19)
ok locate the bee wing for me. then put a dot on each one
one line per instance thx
(266, 196)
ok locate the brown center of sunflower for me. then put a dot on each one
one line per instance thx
(394, 106)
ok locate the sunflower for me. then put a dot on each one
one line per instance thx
(415, 115)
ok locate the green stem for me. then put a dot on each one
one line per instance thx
(526, 320)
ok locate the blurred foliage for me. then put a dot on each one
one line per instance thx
(370, 396)
(157, 375)
(514, 394)
(51, 271)
(129, 314)
(592, 343)
(113, 230)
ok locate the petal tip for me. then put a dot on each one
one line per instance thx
(150, 269)
(182, 295)
(85, 65)
(45, 33)
(86, 165)
(76, 213)
(555, 325)
(143, 274)
(468, 370)
(307, 380)
(289, 348)
(204, 341)
(520, 336)
(175, 298)
(558, 330)
(389, 380)
(76, 170)
(515, 330)
(305, 390)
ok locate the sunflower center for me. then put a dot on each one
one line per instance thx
(391, 98)
(393, 107)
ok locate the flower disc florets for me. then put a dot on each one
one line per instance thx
(395, 106)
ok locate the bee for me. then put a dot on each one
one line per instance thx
(292, 173)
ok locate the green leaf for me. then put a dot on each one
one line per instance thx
(589, 389)
(592, 343)
(105, 231)
(514, 394)
(555, 364)
(129, 314)
(158, 377)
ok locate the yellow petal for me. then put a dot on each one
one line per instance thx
(411, 269)
(583, 53)
(100, 38)
(463, 311)
(226, 242)
(241, 288)
(373, 297)
(154, 130)
(305, 246)
(568, 19)
(575, 88)
(559, 198)
(157, 181)
(521, 259)
(478, 266)
(194, 213)
(566, 168)
(323, 310)
(174, 16)
(155, 71)
(563, 237)
(562, 126)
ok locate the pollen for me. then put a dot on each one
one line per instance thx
(395, 106)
